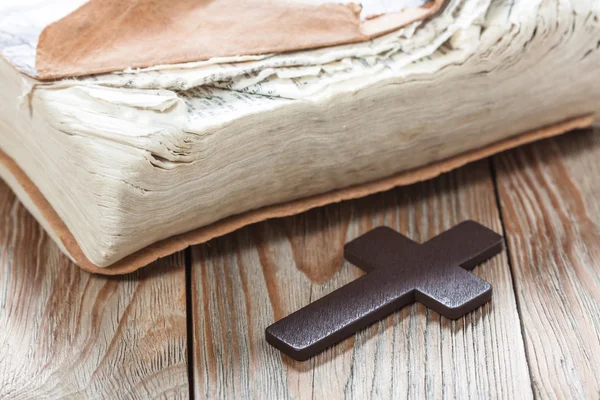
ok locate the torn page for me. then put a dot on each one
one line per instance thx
(376, 7)
(22, 23)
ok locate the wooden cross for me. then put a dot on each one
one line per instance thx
(399, 272)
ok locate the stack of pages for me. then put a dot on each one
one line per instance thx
(132, 129)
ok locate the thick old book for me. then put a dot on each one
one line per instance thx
(133, 129)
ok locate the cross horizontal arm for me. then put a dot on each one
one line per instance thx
(453, 292)
(380, 247)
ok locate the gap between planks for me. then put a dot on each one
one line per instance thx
(510, 262)
(189, 320)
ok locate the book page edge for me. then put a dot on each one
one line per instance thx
(177, 243)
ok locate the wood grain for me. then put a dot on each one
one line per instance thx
(66, 333)
(550, 200)
(243, 282)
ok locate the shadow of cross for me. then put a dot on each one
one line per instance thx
(399, 272)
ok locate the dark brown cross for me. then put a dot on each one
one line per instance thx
(399, 272)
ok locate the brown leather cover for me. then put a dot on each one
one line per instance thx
(112, 35)
(179, 242)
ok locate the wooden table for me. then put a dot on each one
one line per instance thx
(193, 324)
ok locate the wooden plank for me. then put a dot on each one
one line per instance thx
(66, 333)
(243, 282)
(550, 199)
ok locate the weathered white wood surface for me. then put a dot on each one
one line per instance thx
(66, 333)
(550, 200)
(243, 282)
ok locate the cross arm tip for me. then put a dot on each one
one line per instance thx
(298, 353)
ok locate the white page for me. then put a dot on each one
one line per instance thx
(22, 22)
(375, 7)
